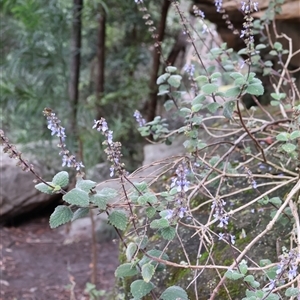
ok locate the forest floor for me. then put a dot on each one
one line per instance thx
(37, 264)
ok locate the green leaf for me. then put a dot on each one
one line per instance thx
(174, 292)
(278, 46)
(249, 278)
(291, 292)
(160, 223)
(278, 96)
(174, 80)
(288, 147)
(236, 75)
(216, 75)
(198, 99)
(85, 185)
(272, 297)
(275, 201)
(131, 251)
(147, 198)
(80, 213)
(77, 197)
(141, 186)
(162, 78)
(61, 215)
(201, 79)
(61, 179)
(118, 219)
(229, 107)
(243, 268)
(260, 46)
(209, 88)
(213, 107)
(148, 271)
(107, 193)
(99, 201)
(168, 233)
(255, 89)
(196, 107)
(155, 253)
(233, 92)
(264, 262)
(295, 134)
(171, 69)
(150, 212)
(142, 242)
(283, 137)
(126, 270)
(44, 188)
(234, 275)
(140, 288)
(169, 105)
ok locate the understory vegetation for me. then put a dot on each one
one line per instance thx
(219, 221)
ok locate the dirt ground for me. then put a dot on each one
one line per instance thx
(36, 264)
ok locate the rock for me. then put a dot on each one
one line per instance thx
(17, 192)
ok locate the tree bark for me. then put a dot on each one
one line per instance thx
(150, 107)
(100, 61)
(75, 65)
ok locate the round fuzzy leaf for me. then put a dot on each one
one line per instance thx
(150, 212)
(148, 271)
(126, 270)
(169, 105)
(290, 292)
(108, 193)
(295, 134)
(196, 107)
(61, 179)
(174, 80)
(283, 137)
(213, 107)
(255, 89)
(80, 213)
(162, 78)
(140, 288)
(168, 233)
(289, 147)
(272, 296)
(44, 188)
(209, 88)
(171, 69)
(118, 219)
(131, 251)
(198, 99)
(233, 92)
(147, 198)
(99, 201)
(160, 223)
(233, 275)
(174, 292)
(142, 242)
(85, 185)
(61, 215)
(228, 109)
(77, 197)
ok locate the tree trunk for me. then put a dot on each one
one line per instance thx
(150, 107)
(100, 61)
(75, 65)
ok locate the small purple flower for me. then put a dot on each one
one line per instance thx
(218, 4)
(182, 211)
(223, 221)
(139, 118)
(169, 214)
(232, 239)
(189, 69)
(221, 236)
